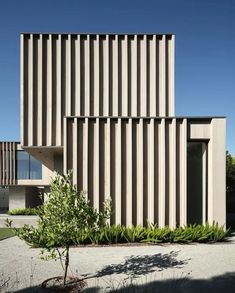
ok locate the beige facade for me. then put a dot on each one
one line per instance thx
(7, 162)
(141, 163)
(92, 75)
(103, 106)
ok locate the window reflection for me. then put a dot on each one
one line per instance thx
(35, 169)
(27, 166)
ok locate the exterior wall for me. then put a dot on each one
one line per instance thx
(141, 163)
(46, 178)
(7, 163)
(4, 198)
(17, 197)
(92, 75)
(23, 196)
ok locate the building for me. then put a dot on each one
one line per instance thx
(103, 105)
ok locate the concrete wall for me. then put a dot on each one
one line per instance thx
(92, 75)
(4, 198)
(141, 163)
(17, 197)
(23, 196)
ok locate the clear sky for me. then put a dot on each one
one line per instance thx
(205, 47)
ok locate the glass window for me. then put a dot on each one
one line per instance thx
(27, 166)
(22, 165)
(35, 169)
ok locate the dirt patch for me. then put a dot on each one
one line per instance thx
(55, 284)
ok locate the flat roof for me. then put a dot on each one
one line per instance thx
(155, 117)
(95, 33)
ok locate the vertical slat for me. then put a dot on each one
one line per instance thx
(78, 76)
(118, 166)
(1, 160)
(129, 220)
(96, 163)
(3, 164)
(30, 91)
(152, 77)
(58, 92)
(22, 86)
(66, 147)
(13, 163)
(204, 185)
(106, 78)
(171, 77)
(97, 77)
(172, 174)
(40, 89)
(140, 166)
(87, 77)
(10, 163)
(162, 77)
(107, 159)
(115, 76)
(151, 174)
(7, 162)
(68, 76)
(134, 73)
(125, 76)
(49, 91)
(162, 162)
(143, 74)
(85, 156)
(75, 151)
(183, 173)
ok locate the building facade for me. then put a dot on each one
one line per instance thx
(103, 106)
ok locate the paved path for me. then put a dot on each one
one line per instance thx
(18, 221)
(160, 268)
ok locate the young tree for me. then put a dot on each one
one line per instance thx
(63, 216)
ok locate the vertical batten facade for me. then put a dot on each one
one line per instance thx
(141, 164)
(92, 75)
(103, 105)
(7, 163)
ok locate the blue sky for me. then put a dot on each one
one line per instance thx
(205, 47)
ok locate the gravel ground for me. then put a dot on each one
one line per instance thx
(160, 268)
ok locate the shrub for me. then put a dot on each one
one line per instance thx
(152, 234)
(24, 211)
(62, 218)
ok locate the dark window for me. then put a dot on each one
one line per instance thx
(196, 182)
(27, 167)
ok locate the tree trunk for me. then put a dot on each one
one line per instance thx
(66, 264)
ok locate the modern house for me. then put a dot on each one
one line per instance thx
(103, 105)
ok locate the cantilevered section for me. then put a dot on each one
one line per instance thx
(18, 167)
(141, 163)
(92, 75)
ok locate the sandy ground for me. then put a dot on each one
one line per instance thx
(160, 268)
